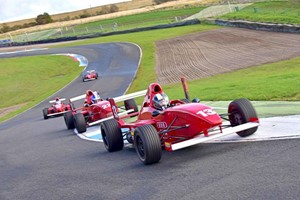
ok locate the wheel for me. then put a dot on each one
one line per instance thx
(68, 116)
(240, 112)
(80, 123)
(147, 144)
(185, 100)
(131, 104)
(45, 113)
(96, 75)
(83, 79)
(112, 135)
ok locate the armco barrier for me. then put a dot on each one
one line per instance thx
(287, 28)
(183, 23)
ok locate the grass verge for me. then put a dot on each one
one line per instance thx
(286, 12)
(29, 80)
(269, 82)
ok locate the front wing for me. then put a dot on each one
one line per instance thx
(213, 135)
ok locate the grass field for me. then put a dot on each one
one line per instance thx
(275, 81)
(269, 82)
(274, 12)
(162, 16)
(29, 80)
(146, 40)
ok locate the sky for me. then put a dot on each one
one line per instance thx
(13, 10)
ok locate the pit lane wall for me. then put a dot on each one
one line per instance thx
(287, 28)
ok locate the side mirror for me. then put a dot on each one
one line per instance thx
(196, 100)
(155, 113)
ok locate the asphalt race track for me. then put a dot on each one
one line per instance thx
(41, 159)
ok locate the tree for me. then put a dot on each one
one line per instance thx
(43, 19)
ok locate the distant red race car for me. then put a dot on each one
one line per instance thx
(174, 124)
(90, 75)
(58, 108)
(93, 111)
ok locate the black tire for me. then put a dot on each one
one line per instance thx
(147, 144)
(131, 104)
(45, 113)
(96, 75)
(112, 135)
(83, 79)
(185, 100)
(80, 123)
(240, 112)
(68, 116)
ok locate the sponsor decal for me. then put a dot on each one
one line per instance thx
(161, 125)
(167, 144)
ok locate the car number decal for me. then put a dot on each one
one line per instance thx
(206, 112)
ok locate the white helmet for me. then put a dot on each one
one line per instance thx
(160, 101)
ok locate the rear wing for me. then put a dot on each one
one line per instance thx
(53, 101)
(125, 97)
(78, 98)
(130, 96)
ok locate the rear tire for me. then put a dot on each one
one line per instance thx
(240, 112)
(112, 135)
(45, 113)
(68, 116)
(131, 104)
(185, 100)
(80, 123)
(147, 144)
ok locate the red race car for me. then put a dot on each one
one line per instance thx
(90, 75)
(58, 108)
(174, 124)
(93, 111)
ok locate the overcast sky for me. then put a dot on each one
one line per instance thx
(12, 10)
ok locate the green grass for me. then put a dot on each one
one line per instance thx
(29, 80)
(274, 81)
(146, 40)
(273, 12)
(152, 18)
(146, 19)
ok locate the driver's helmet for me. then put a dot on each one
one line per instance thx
(95, 97)
(57, 100)
(160, 101)
(89, 93)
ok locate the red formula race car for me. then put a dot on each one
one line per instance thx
(58, 108)
(174, 124)
(93, 111)
(90, 75)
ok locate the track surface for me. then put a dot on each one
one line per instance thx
(40, 159)
(214, 52)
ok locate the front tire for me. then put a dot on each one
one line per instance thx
(68, 116)
(241, 111)
(80, 123)
(45, 113)
(147, 144)
(112, 135)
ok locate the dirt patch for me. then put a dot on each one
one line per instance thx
(5, 111)
(214, 52)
